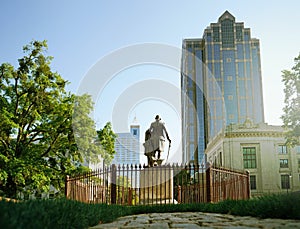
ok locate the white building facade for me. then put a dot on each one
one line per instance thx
(127, 146)
(260, 149)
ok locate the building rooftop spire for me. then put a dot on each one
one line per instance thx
(226, 15)
(135, 121)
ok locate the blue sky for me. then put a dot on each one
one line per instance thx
(80, 33)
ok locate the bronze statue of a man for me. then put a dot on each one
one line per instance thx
(155, 140)
(158, 133)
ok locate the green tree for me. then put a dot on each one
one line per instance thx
(107, 139)
(125, 189)
(46, 133)
(291, 116)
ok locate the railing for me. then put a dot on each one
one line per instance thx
(136, 185)
(225, 184)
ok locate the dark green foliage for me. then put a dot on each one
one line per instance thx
(285, 206)
(50, 214)
(62, 213)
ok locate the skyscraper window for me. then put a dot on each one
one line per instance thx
(227, 33)
(239, 33)
(216, 34)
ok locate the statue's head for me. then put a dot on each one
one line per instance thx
(157, 117)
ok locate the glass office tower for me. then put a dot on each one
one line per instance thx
(221, 84)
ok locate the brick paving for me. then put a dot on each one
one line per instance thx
(191, 220)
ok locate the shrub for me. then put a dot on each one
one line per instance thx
(283, 206)
(62, 213)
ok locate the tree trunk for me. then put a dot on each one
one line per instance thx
(10, 188)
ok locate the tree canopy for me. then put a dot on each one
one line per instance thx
(46, 132)
(107, 138)
(291, 116)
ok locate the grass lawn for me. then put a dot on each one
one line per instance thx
(62, 213)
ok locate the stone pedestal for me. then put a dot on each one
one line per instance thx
(156, 185)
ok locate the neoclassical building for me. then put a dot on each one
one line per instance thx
(260, 149)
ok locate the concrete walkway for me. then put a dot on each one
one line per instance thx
(196, 220)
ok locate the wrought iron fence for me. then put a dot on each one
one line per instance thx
(135, 185)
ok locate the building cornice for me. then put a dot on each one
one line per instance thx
(247, 130)
(254, 134)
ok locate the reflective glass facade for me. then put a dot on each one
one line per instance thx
(221, 83)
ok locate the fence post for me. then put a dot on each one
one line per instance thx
(113, 194)
(208, 184)
(129, 196)
(66, 186)
(179, 194)
(248, 184)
